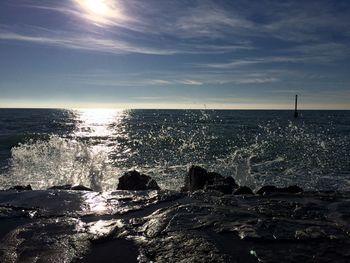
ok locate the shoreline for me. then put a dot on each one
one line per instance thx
(170, 226)
(212, 219)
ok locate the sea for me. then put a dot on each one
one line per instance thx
(94, 147)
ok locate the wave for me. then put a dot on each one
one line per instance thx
(57, 161)
(277, 153)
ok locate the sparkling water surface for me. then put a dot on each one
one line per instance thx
(93, 147)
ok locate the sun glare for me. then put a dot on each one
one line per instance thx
(104, 12)
(96, 122)
(98, 7)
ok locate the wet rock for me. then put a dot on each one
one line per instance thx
(180, 247)
(61, 187)
(135, 181)
(243, 190)
(70, 187)
(294, 189)
(196, 179)
(230, 181)
(199, 179)
(21, 188)
(220, 187)
(313, 232)
(80, 188)
(51, 240)
(164, 226)
(170, 235)
(269, 189)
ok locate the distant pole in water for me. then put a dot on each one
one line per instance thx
(296, 114)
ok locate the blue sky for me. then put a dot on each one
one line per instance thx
(174, 54)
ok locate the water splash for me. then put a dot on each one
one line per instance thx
(293, 154)
(164, 144)
(59, 161)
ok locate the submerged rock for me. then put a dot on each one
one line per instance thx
(133, 180)
(70, 187)
(21, 188)
(199, 179)
(243, 190)
(269, 189)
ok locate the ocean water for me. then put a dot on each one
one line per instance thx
(45, 147)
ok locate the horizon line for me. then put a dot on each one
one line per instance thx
(121, 109)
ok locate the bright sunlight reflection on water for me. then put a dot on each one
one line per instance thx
(96, 122)
(99, 127)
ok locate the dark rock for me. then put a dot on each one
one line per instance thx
(21, 188)
(223, 188)
(199, 179)
(292, 189)
(80, 188)
(39, 226)
(196, 178)
(61, 187)
(70, 187)
(230, 181)
(243, 190)
(133, 180)
(152, 185)
(269, 189)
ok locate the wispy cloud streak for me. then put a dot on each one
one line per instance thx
(86, 43)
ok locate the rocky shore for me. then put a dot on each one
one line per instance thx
(211, 220)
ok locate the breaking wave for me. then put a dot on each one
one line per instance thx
(59, 161)
(164, 144)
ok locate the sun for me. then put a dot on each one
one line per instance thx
(99, 7)
(101, 12)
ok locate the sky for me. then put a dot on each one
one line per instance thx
(224, 54)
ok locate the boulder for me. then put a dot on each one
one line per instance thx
(196, 179)
(243, 190)
(21, 188)
(135, 181)
(199, 179)
(230, 181)
(269, 189)
(70, 187)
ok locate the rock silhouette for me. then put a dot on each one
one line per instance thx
(243, 190)
(133, 180)
(70, 187)
(269, 189)
(21, 188)
(199, 179)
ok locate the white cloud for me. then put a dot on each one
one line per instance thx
(257, 80)
(157, 82)
(253, 61)
(115, 15)
(191, 82)
(100, 43)
(194, 29)
(85, 43)
(210, 21)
